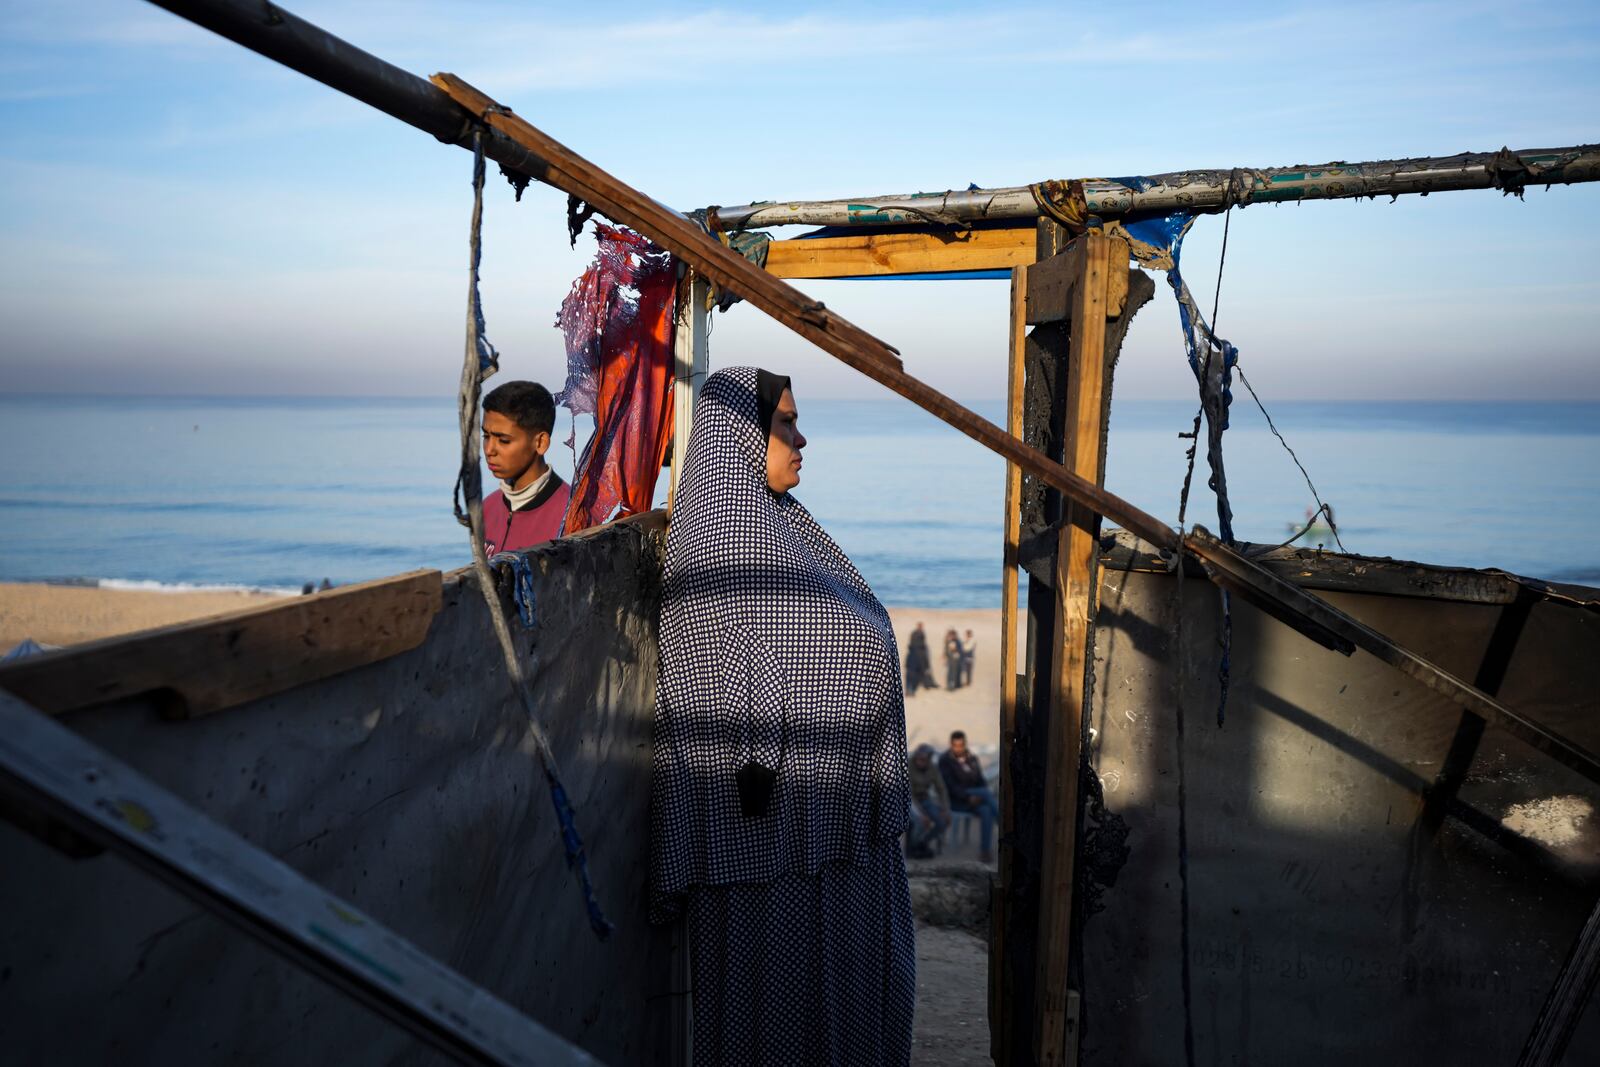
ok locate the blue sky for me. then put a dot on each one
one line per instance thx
(180, 215)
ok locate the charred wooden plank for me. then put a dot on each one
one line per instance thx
(1090, 264)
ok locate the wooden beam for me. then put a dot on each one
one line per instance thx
(1090, 262)
(999, 977)
(525, 150)
(206, 665)
(863, 256)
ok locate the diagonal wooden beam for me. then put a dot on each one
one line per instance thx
(557, 165)
(50, 774)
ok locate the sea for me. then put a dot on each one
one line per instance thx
(273, 492)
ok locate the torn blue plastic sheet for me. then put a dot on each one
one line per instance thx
(521, 584)
(1157, 242)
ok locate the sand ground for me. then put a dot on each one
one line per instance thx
(71, 614)
(952, 1022)
(975, 708)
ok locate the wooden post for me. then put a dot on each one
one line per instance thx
(1038, 505)
(1000, 992)
(1093, 260)
(691, 359)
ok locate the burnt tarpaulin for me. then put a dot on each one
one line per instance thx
(1157, 242)
(618, 326)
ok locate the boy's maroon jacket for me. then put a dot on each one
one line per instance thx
(536, 522)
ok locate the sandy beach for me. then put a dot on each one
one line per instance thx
(69, 614)
(932, 713)
(72, 614)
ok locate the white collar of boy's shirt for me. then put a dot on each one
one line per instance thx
(516, 498)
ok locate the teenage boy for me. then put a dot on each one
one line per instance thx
(528, 507)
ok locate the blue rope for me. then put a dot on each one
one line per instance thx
(575, 856)
(521, 584)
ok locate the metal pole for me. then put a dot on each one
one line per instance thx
(1195, 190)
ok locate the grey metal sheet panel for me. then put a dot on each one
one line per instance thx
(404, 787)
(1320, 931)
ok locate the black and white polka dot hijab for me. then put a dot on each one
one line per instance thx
(780, 721)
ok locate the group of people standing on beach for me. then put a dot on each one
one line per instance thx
(958, 657)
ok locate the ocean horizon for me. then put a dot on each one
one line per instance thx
(187, 492)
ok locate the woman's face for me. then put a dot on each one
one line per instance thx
(784, 442)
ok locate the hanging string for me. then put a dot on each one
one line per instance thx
(1322, 509)
(1179, 674)
(479, 363)
(1225, 660)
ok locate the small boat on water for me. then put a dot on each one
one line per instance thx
(1318, 527)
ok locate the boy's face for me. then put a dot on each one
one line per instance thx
(510, 450)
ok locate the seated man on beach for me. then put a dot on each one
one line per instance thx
(930, 804)
(528, 507)
(969, 791)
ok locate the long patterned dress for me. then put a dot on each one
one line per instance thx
(777, 660)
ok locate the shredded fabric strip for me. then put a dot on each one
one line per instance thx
(618, 324)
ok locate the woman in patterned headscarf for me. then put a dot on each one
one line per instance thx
(780, 770)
